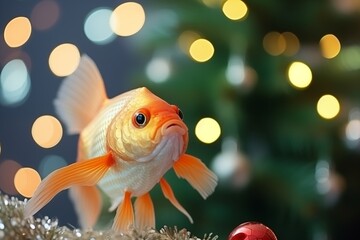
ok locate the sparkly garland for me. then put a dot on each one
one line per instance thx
(14, 226)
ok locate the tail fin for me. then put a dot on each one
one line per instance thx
(80, 96)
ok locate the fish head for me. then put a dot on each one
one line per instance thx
(148, 128)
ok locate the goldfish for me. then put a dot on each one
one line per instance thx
(126, 145)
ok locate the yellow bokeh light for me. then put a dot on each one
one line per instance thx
(299, 75)
(127, 19)
(292, 43)
(234, 9)
(212, 3)
(64, 59)
(330, 46)
(17, 32)
(186, 39)
(207, 130)
(26, 181)
(201, 50)
(328, 106)
(47, 131)
(274, 43)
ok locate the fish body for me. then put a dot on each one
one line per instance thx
(126, 145)
(140, 176)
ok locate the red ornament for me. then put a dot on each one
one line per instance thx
(252, 231)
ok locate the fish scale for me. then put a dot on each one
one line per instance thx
(93, 137)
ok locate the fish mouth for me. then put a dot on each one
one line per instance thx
(172, 133)
(173, 126)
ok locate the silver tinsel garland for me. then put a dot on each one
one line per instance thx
(14, 226)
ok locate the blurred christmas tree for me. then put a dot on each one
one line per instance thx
(284, 155)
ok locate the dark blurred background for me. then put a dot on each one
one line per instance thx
(285, 157)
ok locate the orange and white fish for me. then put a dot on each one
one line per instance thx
(126, 145)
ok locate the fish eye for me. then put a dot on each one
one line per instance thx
(141, 118)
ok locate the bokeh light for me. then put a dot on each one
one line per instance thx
(185, 40)
(352, 130)
(127, 19)
(26, 181)
(50, 163)
(17, 32)
(207, 130)
(97, 26)
(201, 50)
(14, 83)
(212, 3)
(8, 169)
(45, 14)
(328, 106)
(158, 69)
(349, 58)
(235, 71)
(292, 43)
(299, 75)
(322, 174)
(226, 162)
(47, 131)
(330, 46)
(274, 43)
(64, 59)
(234, 9)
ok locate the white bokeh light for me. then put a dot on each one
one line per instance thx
(14, 83)
(158, 69)
(97, 26)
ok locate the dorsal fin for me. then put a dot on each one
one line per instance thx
(80, 96)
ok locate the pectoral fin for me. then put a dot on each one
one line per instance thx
(168, 193)
(82, 173)
(144, 212)
(197, 174)
(124, 217)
